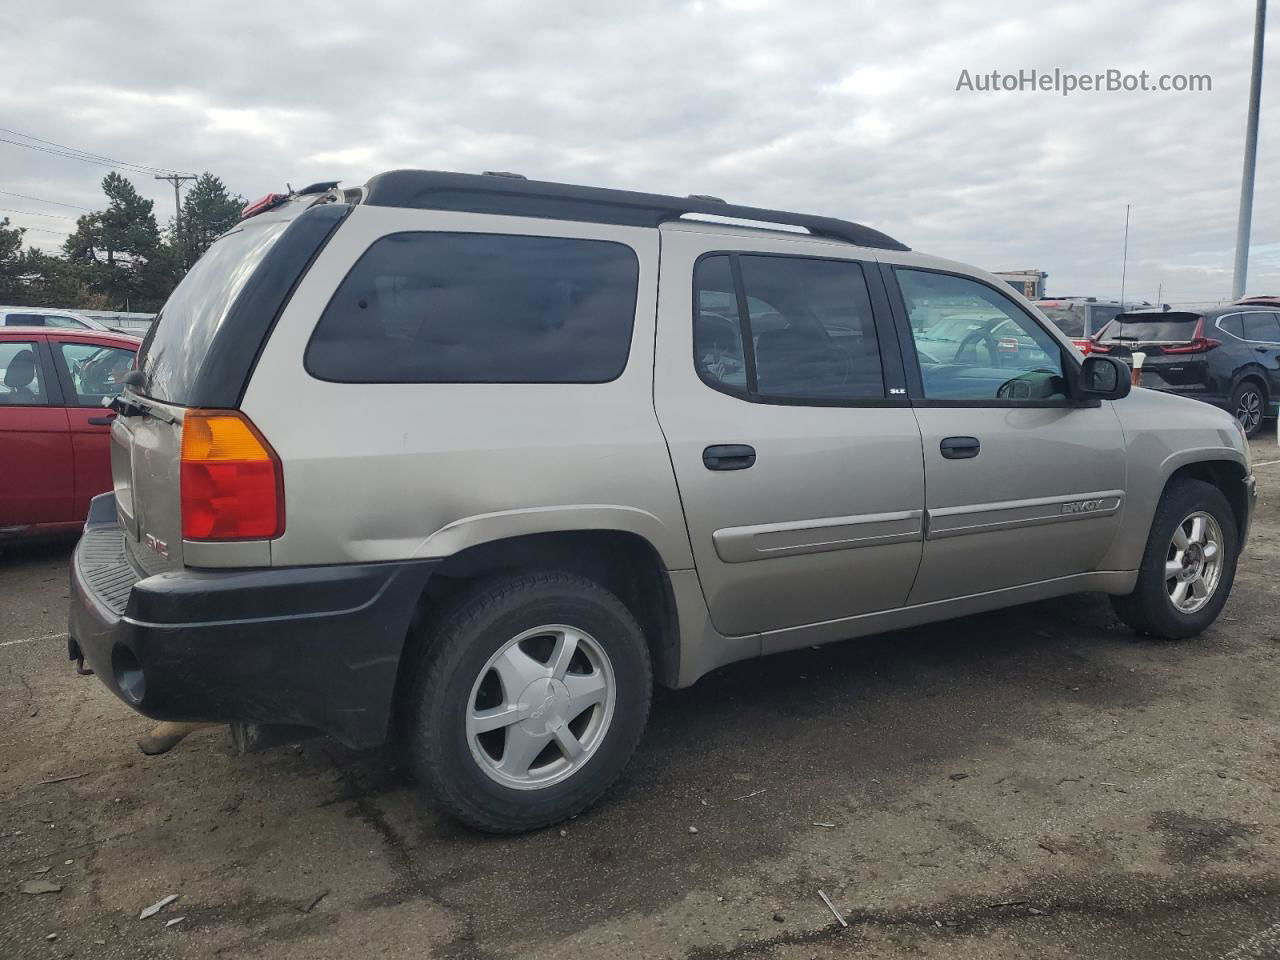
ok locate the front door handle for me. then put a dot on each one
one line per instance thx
(960, 448)
(729, 456)
(102, 421)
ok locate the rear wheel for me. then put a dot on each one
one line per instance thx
(530, 701)
(1249, 405)
(1188, 566)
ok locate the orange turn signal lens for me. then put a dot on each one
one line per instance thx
(232, 481)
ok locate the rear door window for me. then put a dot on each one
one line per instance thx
(21, 379)
(808, 334)
(480, 308)
(97, 372)
(1261, 327)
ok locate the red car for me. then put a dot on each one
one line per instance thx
(54, 431)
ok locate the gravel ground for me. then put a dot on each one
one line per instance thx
(1035, 782)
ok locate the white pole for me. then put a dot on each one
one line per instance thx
(1244, 221)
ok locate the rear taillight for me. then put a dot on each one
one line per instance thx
(1082, 346)
(1198, 345)
(1096, 347)
(232, 482)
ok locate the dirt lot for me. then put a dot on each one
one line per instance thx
(1030, 783)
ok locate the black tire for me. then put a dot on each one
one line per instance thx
(1149, 609)
(461, 643)
(1246, 398)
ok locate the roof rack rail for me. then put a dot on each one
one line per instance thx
(479, 193)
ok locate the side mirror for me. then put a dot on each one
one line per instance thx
(1104, 378)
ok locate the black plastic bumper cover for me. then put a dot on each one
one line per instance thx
(312, 646)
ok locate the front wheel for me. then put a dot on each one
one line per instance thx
(530, 700)
(1188, 566)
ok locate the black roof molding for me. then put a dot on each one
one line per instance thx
(477, 193)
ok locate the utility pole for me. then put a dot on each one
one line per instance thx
(1124, 267)
(177, 179)
(1244, 221)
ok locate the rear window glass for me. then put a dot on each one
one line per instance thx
(42, 320)
(1152, 328)
(177, 342)
(480, 308)
(1069, 318)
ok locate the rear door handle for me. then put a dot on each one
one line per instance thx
(729, 456)
(102, 421)
(960, 448)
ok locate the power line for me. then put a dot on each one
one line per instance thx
(73, 153)
(89, 155)
(75, 156)
(63, 146)
(32, 213)
(56, 203)
(56, 233)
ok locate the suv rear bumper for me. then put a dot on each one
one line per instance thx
(310, 646)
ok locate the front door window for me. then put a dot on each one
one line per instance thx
(974, 343)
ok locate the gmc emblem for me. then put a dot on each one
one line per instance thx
(159, 546)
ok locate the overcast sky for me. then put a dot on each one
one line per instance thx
(844, 108)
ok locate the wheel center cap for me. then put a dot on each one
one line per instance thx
(542, 705)
(1192, 561)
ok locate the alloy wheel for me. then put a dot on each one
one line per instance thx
(1249, 410)
(1193, 564)
(541, 707)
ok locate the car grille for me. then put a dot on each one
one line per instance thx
(105, 567)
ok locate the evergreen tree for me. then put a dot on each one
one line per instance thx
(10, 260)
(208, 211)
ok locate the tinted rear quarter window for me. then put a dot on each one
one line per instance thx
(480, 308)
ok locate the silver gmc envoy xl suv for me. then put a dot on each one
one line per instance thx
(472, 461)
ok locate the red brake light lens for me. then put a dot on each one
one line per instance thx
(231, 480)
(263, 204)
(1198, 345)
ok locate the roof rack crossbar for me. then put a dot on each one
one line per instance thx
(477, 193)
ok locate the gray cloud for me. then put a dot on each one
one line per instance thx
(846, 108)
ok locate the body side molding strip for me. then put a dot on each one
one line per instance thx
(1010, 514)
(795, 538)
